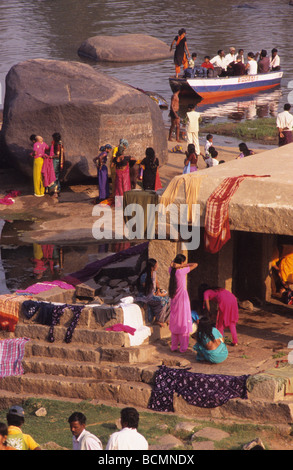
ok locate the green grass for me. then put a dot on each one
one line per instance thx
(261, 130)
(102, 421)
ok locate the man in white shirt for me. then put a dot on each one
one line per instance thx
(251, 65)
(275, 60)
(81, 438)
(285, 126)
(231, 57)
(192, 127)
(128, 438)
(219, 61)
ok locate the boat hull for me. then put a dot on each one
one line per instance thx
(228, 86)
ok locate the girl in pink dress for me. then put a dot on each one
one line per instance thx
(228, 314)
(180, 311)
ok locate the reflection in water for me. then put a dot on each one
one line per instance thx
(22, 265)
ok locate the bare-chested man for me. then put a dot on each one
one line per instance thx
(175, 119)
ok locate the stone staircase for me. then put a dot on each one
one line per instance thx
(102, 367)
(96, 365)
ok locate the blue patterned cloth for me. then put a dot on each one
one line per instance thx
(202, 390)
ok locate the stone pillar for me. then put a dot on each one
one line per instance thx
(164, 251)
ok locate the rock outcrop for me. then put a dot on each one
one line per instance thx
(87, 107)
(125, 48)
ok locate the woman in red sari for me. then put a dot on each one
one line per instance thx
(122, 179)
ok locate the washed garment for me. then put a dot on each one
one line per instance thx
(94, 268)
(191, 183)
(45, 286)
(202, 390)
(11, 355)
(217, 228)
(10, 307)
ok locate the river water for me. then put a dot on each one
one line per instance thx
(54, 29)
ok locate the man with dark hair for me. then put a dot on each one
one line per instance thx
(128, 438)
(81, 438)
(285, 126)
(16, 438)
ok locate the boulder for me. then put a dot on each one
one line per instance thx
(87, 107)
(125, 48)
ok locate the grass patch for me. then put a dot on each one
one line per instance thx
(262, 130)
(102, 421)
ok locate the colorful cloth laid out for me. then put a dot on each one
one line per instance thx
(11, 355)
(50, 314)
(92, 269)
(45, 286)
(10, 307)
(192, 186)
(202, 390)
(217, 229)
(121, 327)
(8, 199)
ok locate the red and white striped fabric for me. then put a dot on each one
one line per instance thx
(217, 228)
(11, 355)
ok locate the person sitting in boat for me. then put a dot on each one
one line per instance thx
(219, 62)
(275, 61)
(208, 66)
(263, 64)
(236, 68)
(251, 66)
(240, 55)
(231, 57)
(194, 69)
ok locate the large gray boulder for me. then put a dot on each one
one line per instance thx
(125, 48)
(87, 107)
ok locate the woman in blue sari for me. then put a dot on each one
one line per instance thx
(210, 344)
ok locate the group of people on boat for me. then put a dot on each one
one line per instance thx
(48, 164)
(222, 65)
(174, 308)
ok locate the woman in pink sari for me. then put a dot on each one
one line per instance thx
(122, 179)
(227, 315)
(180, 310)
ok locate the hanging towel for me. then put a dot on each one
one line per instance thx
(217, 228)
(11, 355)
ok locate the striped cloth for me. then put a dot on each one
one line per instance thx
(11, 355)
(217, 229)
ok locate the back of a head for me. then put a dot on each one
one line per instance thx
(129, 418)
